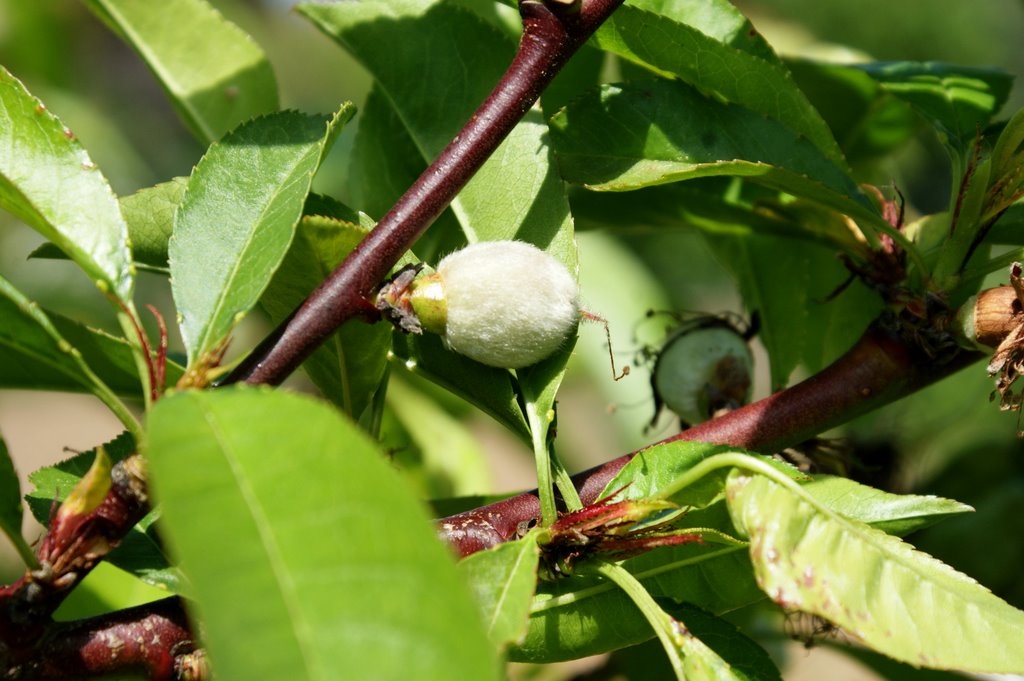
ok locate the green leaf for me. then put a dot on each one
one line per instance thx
(237, 218)
(788, 283)
(898, 514)
(654, 132)
(54, 483)
(349, 366)
(717, 19)
(215, 75)
(445, 452)
(503, 579)
(149, 213)
(441, 64)
(746, 658)
(689, 657)
(657, 468)
(670, 47)
(569, 618)
(900, 602)
(488, 388)
(30, 343)
(332, 563)
(48, 181)
(867, 121)
(957, 100)
(385, 162)
(11, 510)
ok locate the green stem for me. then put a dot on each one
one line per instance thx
(547, 462)
(542, 458)
(664, 625)
(745, 462)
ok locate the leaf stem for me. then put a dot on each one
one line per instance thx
(664, 625)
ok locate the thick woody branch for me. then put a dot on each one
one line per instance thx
(881, 368)
(549, 38)
(153, 640)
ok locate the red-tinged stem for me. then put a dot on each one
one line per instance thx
(879, 369)
(72, 547)
(549, 39)
(152, 640)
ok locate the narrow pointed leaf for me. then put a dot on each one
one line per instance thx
(670, 47)
(569, 618)
(717, 19)
(48, 180)
(333, 565)
(349, 366)
(896, 600)
(215, 75)
(653, 132)
(897, 514)
(11, 510)
(503, 579)
(237, 218)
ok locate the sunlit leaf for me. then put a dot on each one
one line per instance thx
(503, 580)
(896, 600)
(653, 132)
(332, 562)
(215, 75)
(670, 47)
(349, 366)
(48, 180)
(237, 218)
(442, 62)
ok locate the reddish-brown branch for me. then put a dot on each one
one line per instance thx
(72, 547)
(549, 39)
(879, 369)
(153, 640)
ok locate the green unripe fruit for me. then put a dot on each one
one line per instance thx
(702, 369)
(502, 303)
